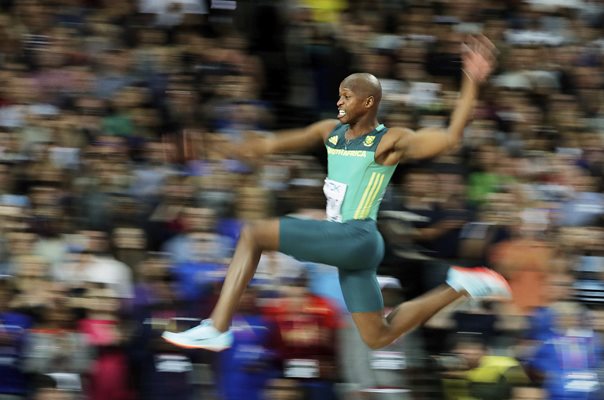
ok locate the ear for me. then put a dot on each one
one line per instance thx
(369, 101)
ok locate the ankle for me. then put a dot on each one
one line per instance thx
(220, 326)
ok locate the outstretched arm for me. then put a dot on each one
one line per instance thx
(302, 139)
(478, 62)
(285, 141)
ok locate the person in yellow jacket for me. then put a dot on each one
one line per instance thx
(478, 375)
(326, 11)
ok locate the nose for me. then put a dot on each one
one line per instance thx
(339, 102)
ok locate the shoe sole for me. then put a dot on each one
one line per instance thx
(209, 347)
(490, 275)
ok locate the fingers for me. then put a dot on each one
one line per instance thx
(480, 44)
(479, 56)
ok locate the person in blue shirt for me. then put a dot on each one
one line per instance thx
(246, 367)
(13, 330)
(570, 359)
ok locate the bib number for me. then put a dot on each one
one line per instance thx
(301, 368)
(580, 381)
(334, 193)
(388, 360)
(173, 363)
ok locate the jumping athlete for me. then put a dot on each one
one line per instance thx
(362, 155)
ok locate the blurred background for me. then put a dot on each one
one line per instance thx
(120, 205)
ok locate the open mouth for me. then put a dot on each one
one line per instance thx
(341, 113)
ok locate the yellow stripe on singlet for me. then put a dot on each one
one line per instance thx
(369, 195)
(372, 197)
(365, 193)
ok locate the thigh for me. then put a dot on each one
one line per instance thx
(361, 290)
(352, 246)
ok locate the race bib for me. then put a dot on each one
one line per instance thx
(174, 363)
(334, 193)
(388, 360)
(301, 368)
(580, 382)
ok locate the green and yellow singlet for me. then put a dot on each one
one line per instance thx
(355, 183)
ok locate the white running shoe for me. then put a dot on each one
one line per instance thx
(202, 336)
(479, 282)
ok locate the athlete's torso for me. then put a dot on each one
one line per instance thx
(355, 183)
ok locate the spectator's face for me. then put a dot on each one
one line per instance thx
(129, 238)
(58, 312)
(528, 393)
(451, 185)
(180, 97)
(204, 246)
(154, 269)
(377, 64)
(103, 300)
(487, 156)
(96, 241)
(296, 295)
(13, 219)
(197, 219)
(5, 295)
(53, 394)
(419, 184)
(253, 203)
(157, 153)
(559, 287)
(4, 177)
(568, 320)
(21, 243)
(32, 266)
(283, 389)
(21, 90)
(598, 320)
(177, 191)
(471, 353)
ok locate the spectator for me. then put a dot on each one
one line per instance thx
(14, 328)
(307, 325)
(105, 333)
(251, 362)
(569, 361)
(482, 375)
(53, 346)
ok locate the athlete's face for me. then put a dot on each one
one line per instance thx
(350, 105)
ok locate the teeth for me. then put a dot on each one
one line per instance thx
(341, 113)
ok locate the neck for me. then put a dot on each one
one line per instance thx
(361, 127)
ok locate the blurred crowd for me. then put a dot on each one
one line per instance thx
(120, 204)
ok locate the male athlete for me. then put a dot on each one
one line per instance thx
(362, 155)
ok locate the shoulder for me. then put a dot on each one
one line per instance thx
(395, 131)
(396, 134)
(391, 149)
(326, 126)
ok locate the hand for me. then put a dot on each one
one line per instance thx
(251, 150)
(479, 56)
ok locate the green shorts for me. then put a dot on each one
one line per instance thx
(355, 247)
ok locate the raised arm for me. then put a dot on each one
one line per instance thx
(478, 62)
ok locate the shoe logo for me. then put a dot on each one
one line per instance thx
(368, 141)
(333, 140)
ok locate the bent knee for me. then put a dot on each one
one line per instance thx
(249, 233)
(376, 343)
(262, 235)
